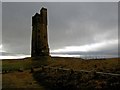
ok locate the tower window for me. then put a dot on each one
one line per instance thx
(45, 37)
(38, 30)
(38, 36)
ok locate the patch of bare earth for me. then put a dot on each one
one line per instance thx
(20, 80)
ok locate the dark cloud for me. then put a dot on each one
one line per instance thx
(0, 22)
(83, 23)
(61, 1)
(69, 24)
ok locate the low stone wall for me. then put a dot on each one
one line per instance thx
(68, 79)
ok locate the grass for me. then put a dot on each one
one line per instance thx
(108, 65)
(25, 79)
(13, 65)
(20, 80)
(24, 64)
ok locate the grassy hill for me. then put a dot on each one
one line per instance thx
(103, 65)
(16, 73)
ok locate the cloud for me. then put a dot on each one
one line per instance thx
(95, 47)
(87, 23)
(0, 48)
(6, 55)
(0, 22)
(14, 57)
(60, 1)
(71, 26)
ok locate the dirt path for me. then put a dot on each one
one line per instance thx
(0, 81)
(20, 80)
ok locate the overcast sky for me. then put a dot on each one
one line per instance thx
(0, 26)
(60, 0)
(82, 28)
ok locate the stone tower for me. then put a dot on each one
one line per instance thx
(39, 34)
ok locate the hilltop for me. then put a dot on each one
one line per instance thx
(103, 65)
(18, 70)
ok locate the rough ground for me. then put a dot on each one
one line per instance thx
(0, 81)
(20, 80)
(25, 79)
